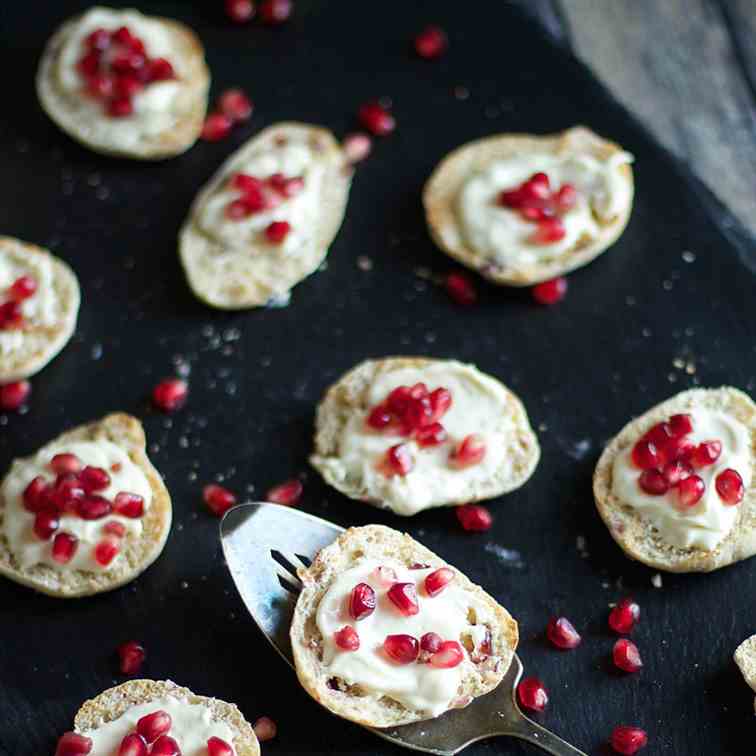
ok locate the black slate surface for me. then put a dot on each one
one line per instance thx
(582, 368)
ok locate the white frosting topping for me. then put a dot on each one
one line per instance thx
(18, 522)
(479, 406)
(706, 524)
(192, 726)
(501, 234)
(418, 686)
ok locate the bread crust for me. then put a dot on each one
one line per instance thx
(137, 554)
(191, 106)
(238, 290)
(442, 188)
(349, 395)
(634, 534)
(28, 362)
(114, 702)
(745, 658)
(380, 542)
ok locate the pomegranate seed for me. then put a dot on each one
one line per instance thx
(11, 315)
(46, 523)
(460, 288)
(73, 744)
(94, 479)
(431, 642)
(386, 576)
(653, 482)
(218, 747)
(362, 601)
(275, 11)
(628, 740)
(431, 42)
(218, 499)
(22, 288)
(645, 455)
(93, 508)
(561, 632)
(403, 649)
(99, 39)
(106, 551)
(245, 183)
(730, 486)
(128, 505)
(61, 464)
(379, 417)
(432, 435)
(398, 399)
(626, 656)
(35, 495)
(624, 616)
(277, 231)
(165, 745)
(532, 694)
(690, 490)
(469, 452)
(265, 729)
(123, 36)
(286, 187)
(64, 547)
(548, 231)
(565, 198)
(288, 493)
(128, 86)
(537, 187)
(474, 517)
(114, 528)
(89, 63)
(14, 395)
(356, 147)
(240, 11)
(438, 580)
(170, 394)
(235, 104)
(237, 210)
(441, 400)
(448, 655)
(550, 292)
(120, 107)
(131, 655)
(154, 725)
(347, 638)
(676, 471)
(706, 454)
(404, 597)
(133, 745)
(160, 69)
(217, 126)
(376, 119)
(680, 425)
(399, 459)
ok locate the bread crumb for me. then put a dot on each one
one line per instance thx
(656, 580)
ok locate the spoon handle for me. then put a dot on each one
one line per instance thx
(525, 729)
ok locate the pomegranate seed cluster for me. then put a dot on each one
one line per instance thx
(11, 314)
(231, 108)
(115, 67)
(670, 462)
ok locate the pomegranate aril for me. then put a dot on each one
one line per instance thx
(277, 231)
(676, 471)
(64, 547)
(376, 119)
(265, 729)
(123, 36)
(131, 657)
(469, 452)
(460, 288)
(706, 453)
(217, 126)
(170, 394)
(240, 11)
(729, 485)
(89, 64)
(474, 517)
(46, 523)
(398, 399)
(13, 396)
(106, 550)
(288, 493)
(275, 11)
(165, 745)
(93, 507)
(441, 400)
(117, 529)
(347, 638)
(22, 288)
(99, 39)
(432, 435)
(120, 107)
(404, 598)
(64, 463)
(550, 292)
(133, 745)
(218, 747)
(628, 740)
(690, 491)
(626, 656)
(235, 104)
(431, 642)
(356, 147)
(35, 496)
(624, 616)
(532, 694)
(561, 632)
(653, 482)
(537, 187)
(680, 425)
(11, 315)
(438, 580)
(94, 479)
(160, 69)
(431, 42)
(246, 183)
(645, 455)
(379, 417)
(152, 726)
(237, 210)
(565, 198)
(403, 649)
(449, 655)
(399, 459)
(218, 499)
(128, 504)
(362, 601)
(73, 744)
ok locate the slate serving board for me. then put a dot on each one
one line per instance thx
(677, 289)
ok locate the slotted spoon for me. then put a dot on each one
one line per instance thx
(264, 544)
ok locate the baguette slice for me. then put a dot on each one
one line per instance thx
(233, 278)
(42, 342)
(136, 555)
(745, 658)
(114, 702)
(349, 701)
(634, 535)
(443, 187)
(189, 111)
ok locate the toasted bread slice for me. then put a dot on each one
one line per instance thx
(253, 274)
(350, 398)
(137, 554)
(371, 708)
(114, 702)
(442, 190)
(40, 341)
(745, 658)
(634, 534)
(83, 120)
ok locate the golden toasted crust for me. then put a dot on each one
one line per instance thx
(223, 280)
(350, 702)
(114, 702)
(350, 395)
(634, 534)
(443, 187)
(137, 553)
(50, 339)
(191, 106)
(745, 658)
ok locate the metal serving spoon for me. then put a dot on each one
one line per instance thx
(265, 543)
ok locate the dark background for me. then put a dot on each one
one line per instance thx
(583, 368)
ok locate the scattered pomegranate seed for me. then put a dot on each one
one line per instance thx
(277, 231)
(46, 523)
(14, 395)
(532, 694)
(22, 288)
(706, 454)
(218, 499)
(431, 642)
(469, 452)
(217, 126)
(240, 11)
(362, 601)
(561, 632)
(131, 657)
(626, 656)
(288, 493)
(275, 11)
(94, 479)
(431, 42)
(730, 486)
(628, 740)
(64, 547)
(624, 616)
(154, 725)
(474, 517)
(653, 482)
(73, 744)
(114, 528)
(133, 745)
(235, 104)
(449, 655)
(399, 459)
(347, 638)
(218, 747)
(170, 394)
(550, 292)
(438, 580)
(265, 729)
(128, 504)
(376, 119)
(404, 597)
(93, 507)
(403, 649)
(106, 551)
(460, 288)
(165, 745)
(690, 491)
(356, 147)
(386, 576)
